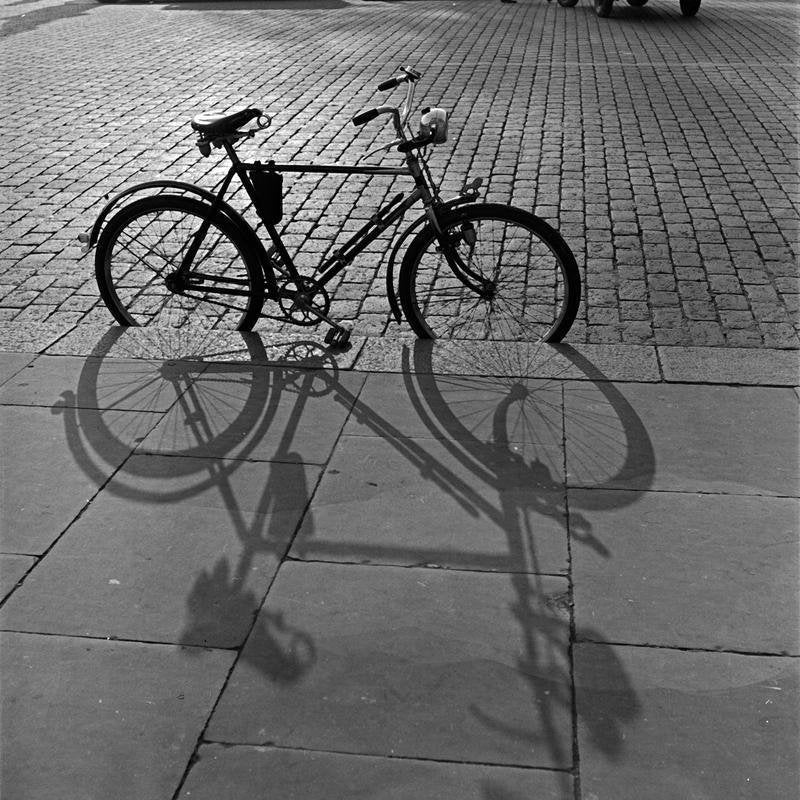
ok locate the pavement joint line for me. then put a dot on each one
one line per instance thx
(120, 639)
(429, 567)
(704, 493)
(248, 460)
(679, 649)
(193, 756)
(574, 717)
(393, 756)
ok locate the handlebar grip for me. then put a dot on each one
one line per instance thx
(365, 116)
(391, 83)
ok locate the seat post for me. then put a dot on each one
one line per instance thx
(232, 154)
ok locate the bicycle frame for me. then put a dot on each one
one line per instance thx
(382, 219)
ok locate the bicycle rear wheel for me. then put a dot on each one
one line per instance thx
(137, 267)
(522, 282)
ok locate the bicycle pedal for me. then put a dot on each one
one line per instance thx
(338, 338)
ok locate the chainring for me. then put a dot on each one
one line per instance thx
(300, 299)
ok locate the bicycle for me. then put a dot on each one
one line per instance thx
(473, 270)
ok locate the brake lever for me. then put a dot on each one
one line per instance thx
(414, 74)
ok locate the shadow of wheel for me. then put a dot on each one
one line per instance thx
(524, 425)
(224, 408)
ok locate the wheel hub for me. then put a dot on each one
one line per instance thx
(488, 290)
(176, 282)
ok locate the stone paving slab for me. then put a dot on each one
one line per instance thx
(192, 570)
(413, 502)
(11, 363)
(42, 491)
(233, 772)
(30, 337)
(730, 365)
(691, 571)
(129, 725)
(721, 439)
(407, 663)
(686, 724)
(12, 570)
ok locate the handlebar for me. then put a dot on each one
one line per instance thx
(409, 77)
(365, 116)
(390, 84)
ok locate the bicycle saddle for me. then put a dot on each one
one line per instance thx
(212, 124)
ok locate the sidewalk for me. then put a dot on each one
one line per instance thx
(259, 570)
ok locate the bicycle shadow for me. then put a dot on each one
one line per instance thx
(205, 444)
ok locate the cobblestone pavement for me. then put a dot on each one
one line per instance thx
(665, 149)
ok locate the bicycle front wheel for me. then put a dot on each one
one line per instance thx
(515, 278)
(143, 281)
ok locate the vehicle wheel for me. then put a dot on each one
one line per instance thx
(637, 3)
(567, 3)
(689, 7)
(138, 256)
(603, 7)
(524, 281)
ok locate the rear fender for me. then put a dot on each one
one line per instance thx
(89, 240)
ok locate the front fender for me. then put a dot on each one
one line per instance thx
(391, 292)
(468, 196)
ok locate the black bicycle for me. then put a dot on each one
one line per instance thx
(470, 270)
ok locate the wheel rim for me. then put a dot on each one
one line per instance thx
(141, 270)
(528, 296)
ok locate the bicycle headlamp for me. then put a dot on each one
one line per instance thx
(434, 123)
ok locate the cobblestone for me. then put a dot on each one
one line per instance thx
(676, 186)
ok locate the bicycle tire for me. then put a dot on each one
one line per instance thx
(637, 3)
(567, 3)
(536, 289)
(689, 7)
(603, 7)
(142, 245)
